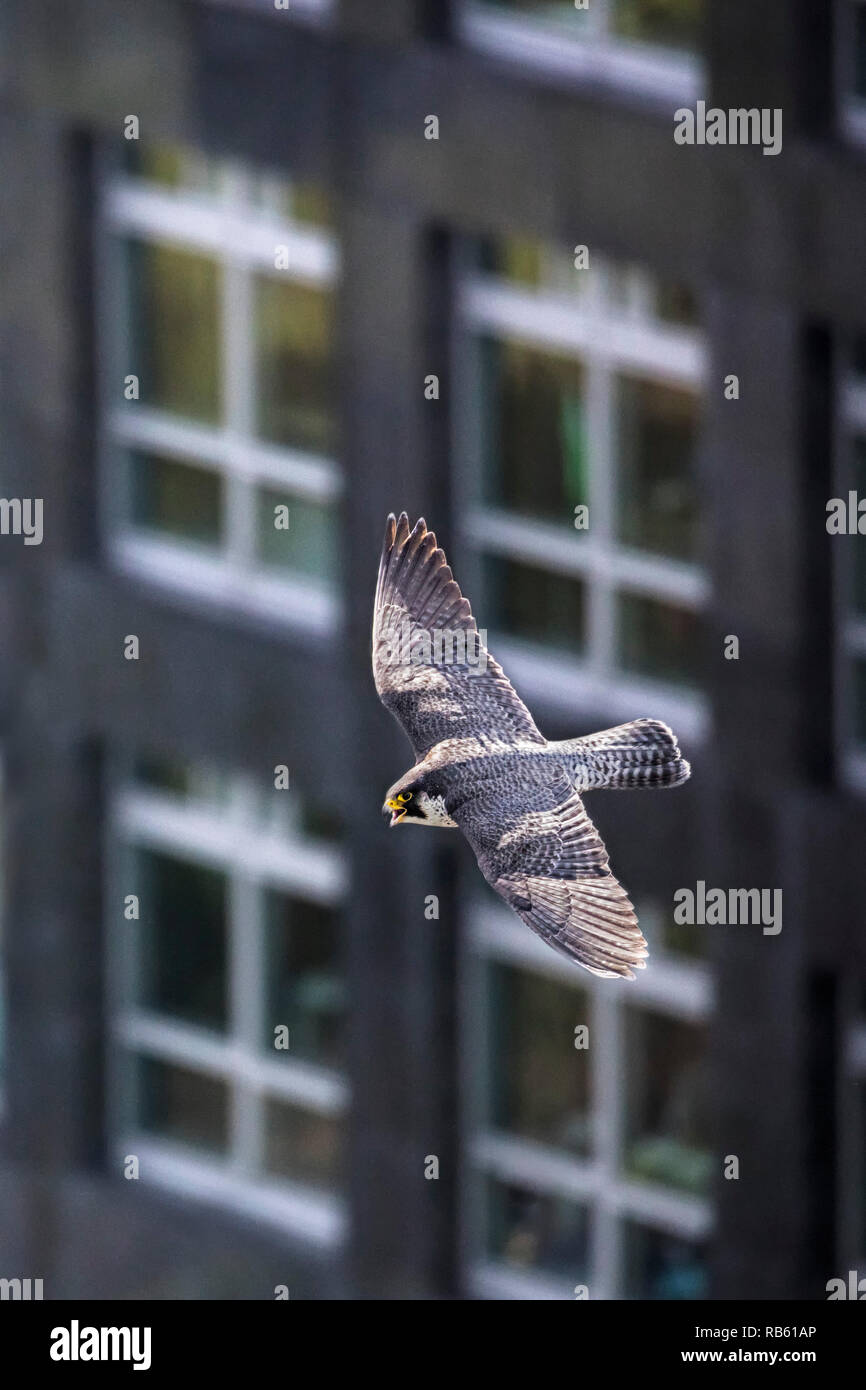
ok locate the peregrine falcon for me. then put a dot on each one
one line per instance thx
(481, 765)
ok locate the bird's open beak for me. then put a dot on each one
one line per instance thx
(397, 810)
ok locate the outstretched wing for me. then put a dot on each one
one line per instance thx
(431, 667)
(544, 856)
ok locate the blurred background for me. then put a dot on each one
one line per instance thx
(253, 299)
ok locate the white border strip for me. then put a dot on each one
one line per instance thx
(602, 59)
(673, 355)
(310, 1215)
(135, 207)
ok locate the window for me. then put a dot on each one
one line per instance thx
(648, 46)
(228, 1029)
(581, 423)
(849, 555)
(589, 1158)
(220, 421)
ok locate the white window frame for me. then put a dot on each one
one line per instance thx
(606, 342)
(253, 858)
(595, 56)
(241, 240)
(674, 987)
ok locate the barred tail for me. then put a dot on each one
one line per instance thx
(643, 753)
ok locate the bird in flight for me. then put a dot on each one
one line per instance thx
(482, 766)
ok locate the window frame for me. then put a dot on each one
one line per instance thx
(662, 76)
(675, 987)
(605, 345)
(241, 242)
(232, 841)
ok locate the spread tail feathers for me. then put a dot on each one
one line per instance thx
(643, 753)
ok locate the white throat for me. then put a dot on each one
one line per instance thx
(434, 812)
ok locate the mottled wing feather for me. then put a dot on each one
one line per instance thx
(550, 865)
(422, 624)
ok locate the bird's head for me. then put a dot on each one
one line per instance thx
(411, 802)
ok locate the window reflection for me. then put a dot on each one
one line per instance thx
(535, 604)
(175, 329)
(307, 545)
(182, 1105)
(305, 991)
(657, 437)
(176, 499)
(294, 346)
(183, 939)
(301, 1145)
(539, 1082)
(662, 1266)
(658, 640)
(541, 1231)
(667, 1118)
(535, 416)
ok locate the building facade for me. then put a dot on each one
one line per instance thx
(270, 273)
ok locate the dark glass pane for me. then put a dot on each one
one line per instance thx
(309, 202)
(534, 604)
(661, 1266)
(174, 166)
(174, 299)
(657, 433)
(294, 346)
(664, 934)
(176, 499)
(535, 449)
(533, 264)
(666, 1114)
(540, 1232)
(635, 293)
(677, 304)
(308, 545)
(320, 820)
(182, 1105)
(672, 23)
(304, 980)
(301, 1145)
(305, 203)
(192, 781)
(658, 640)
(858, 542)
(539, 1082)
(183, 939)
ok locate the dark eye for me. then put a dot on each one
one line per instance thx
(405, 796)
